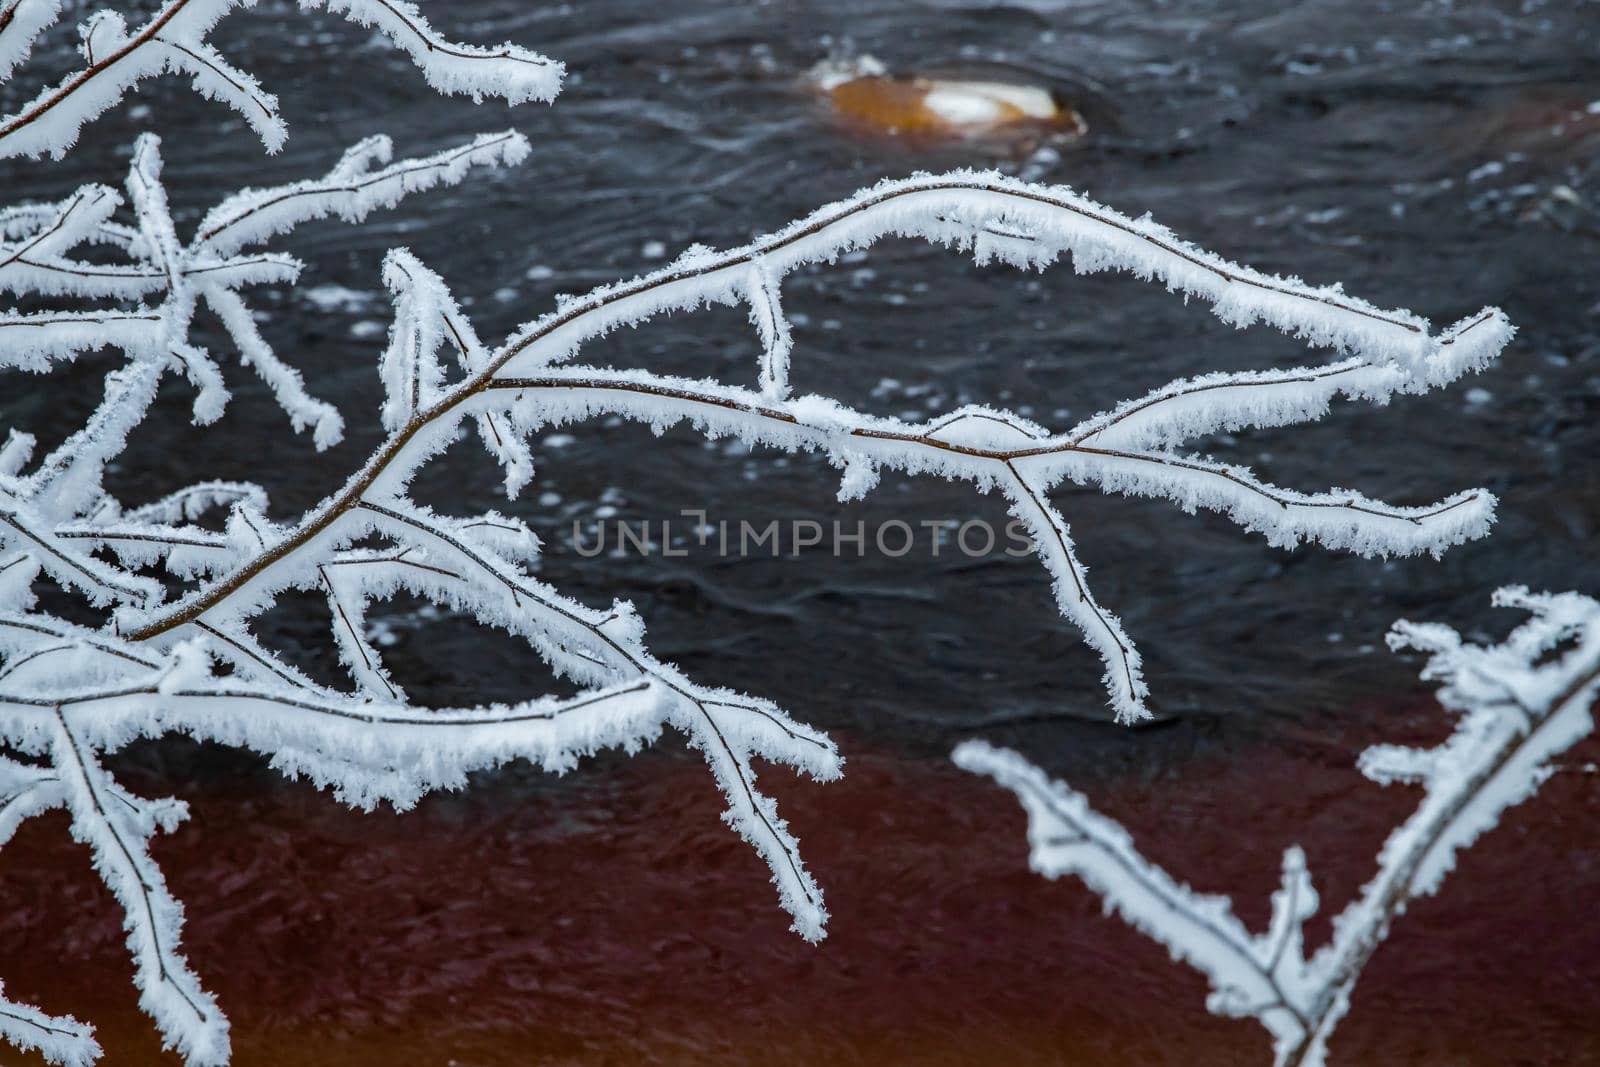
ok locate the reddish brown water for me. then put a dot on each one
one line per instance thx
(612, 920)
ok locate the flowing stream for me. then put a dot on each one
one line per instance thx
(1436, 156)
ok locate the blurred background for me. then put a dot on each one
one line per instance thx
(1432, 156)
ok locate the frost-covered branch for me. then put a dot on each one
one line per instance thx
(37, 243)
(117, 828)
(190, 662)
(58, 1038)
(173, 40)
(530, 382)
(27, 790)
(1520, 705)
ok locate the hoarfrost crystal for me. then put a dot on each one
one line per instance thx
(173, 40)
(1520, 704)
(160, 661)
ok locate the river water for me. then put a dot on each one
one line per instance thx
(1435, 156)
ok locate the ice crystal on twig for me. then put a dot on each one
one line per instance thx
(1520, 704)
(37, 242)
(173, 40)
(191, 663)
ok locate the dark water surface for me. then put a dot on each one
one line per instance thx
(1432, 156)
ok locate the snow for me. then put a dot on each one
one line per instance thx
(59, 1039)
(512, 73)
(364, 180)
(964, 103)
(117, 58)
(36, 256)
(1518, 711)
(187, 661)
(28, 19)
(333, 298)
(832, 73)
(104, 691)
(117, 828)
(1132, 449)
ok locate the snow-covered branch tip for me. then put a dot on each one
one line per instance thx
(151, 298)
(187, 660)
(1520, 704)
(173, 40)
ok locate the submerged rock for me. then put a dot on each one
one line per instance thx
(979, 104)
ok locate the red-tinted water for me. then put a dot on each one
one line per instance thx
(613, 920)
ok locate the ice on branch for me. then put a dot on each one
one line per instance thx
(1519, 705)
(173, 40)
(153, 296)
(180, 654)
(509, 72)
(59, 1039)
(21, 22)
(533, 380)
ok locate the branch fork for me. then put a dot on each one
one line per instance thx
(190, 662)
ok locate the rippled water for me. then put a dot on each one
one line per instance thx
(1432, 156)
